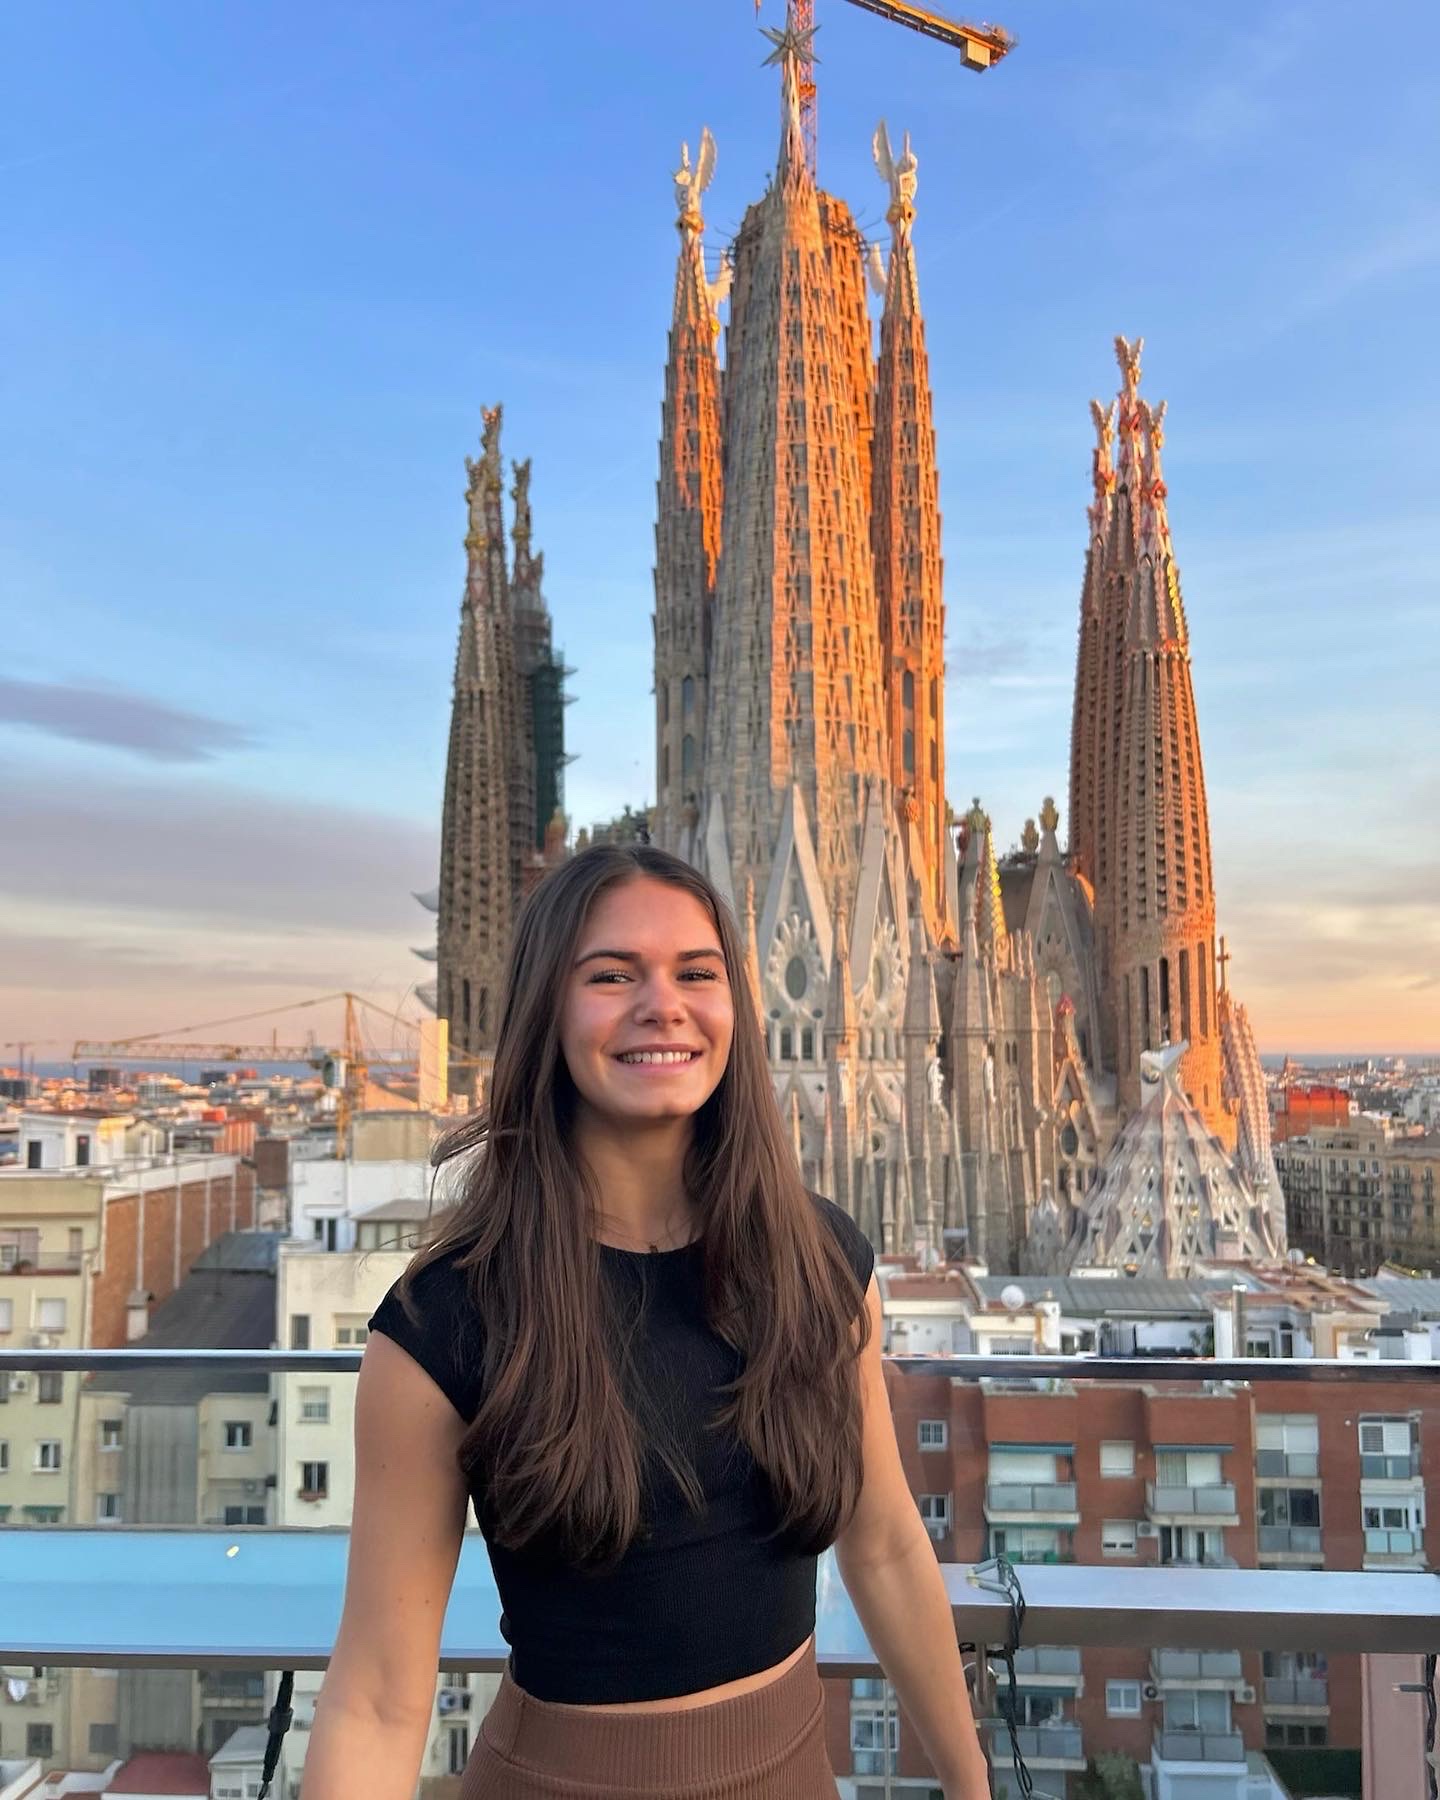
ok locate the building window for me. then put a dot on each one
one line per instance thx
(50, 1315)
(935, 1511)
(299, 1331)
(1122, 1699)
(1117, 1537)
(82, 1150)
(237, 1434)
(40, 1742)
(314, 1480)
(244, 1515)
(32, 1153)
(7, 1315)
(47, 1456)
(315, 1406)
(687, 755)
(1117, 1457)
(49, 1387)
(873, 1737)
(104, 1737)
(350, 1331)
(4, 1456)
(934, 1434)
(687, 695)
(107, 1508)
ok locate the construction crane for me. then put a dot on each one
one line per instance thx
(344, 1066)
(980, 46)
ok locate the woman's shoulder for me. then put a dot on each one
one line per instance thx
(440, 1327)
(859, 1251)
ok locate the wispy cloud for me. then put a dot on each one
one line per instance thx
(1223, 112)
(118, 720)
(224, 858)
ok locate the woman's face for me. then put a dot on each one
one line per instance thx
(648, 1014)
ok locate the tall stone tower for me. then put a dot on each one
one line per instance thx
(540, 669)
(488, 826)
(908, 568)
(687, 530)
(799, 625)
(1140, 827)
(798, 743)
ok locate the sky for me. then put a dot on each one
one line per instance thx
(262, 263)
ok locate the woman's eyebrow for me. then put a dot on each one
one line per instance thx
(634, 956)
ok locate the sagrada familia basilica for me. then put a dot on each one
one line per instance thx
(1030, 1058)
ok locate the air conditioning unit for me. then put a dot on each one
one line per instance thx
(250, 1487)
(1144, 1529)
(1150, 1691)
(1245, 1695)
(453, 1700)
(19, 1384)
(44, 1340)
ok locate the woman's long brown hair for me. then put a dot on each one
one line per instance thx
(555, 1450)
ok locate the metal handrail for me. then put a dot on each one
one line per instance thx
(1132, 1369)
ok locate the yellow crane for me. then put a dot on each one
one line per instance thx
(344, 1066)
(980, 46)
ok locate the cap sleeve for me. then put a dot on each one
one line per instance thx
(445, 1338)
(857, 1247)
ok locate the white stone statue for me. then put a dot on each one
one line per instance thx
(899, 174)
(690, 183)
(935, 1075)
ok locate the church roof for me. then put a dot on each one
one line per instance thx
(1101, 1297)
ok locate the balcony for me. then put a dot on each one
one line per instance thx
(1031, 1503)
(1392, 1468)
(1286, 1465)
(1394, 1549)
(1213, 1505)
(265, 1599)
(1050, 1668)
(1296, 1693)
(1057, 1746)
(1196, 1668)
(1200, 1746)
(1288, 1540)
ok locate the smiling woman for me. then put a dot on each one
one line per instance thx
(651, 1360)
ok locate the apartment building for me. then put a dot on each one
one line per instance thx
(324, 1299)
(1264, 1474)
(1362, 1193)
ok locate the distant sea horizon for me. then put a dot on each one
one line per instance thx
(189, 1069)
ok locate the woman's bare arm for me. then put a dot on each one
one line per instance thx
(373, 1711)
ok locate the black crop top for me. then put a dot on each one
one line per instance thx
(701, 1601)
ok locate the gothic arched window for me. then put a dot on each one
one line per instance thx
(687, 696)
(687, 754)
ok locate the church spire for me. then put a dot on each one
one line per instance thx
(1155, 900)
(528, 568)
(687, 532)
(488, 777)
(906, 537)
(796, 643)
(795, 52)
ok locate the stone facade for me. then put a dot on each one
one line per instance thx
(502, 823)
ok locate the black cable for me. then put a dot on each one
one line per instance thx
(1007, 1583)
(1432, 1780)
(280, 1721)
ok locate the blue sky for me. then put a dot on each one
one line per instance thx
(262, 263)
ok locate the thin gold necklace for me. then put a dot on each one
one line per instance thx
(654, 1248)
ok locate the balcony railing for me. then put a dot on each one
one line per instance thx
(1299, 1465)
(1394, 1543)
(1296, 1690)
(1390, 1468)
(1200, 1746)
(1039, 1744)
(1030, 1497)
(1288, 1540)
(1213, 1502)
(1059, 1666)
(1184, 1668)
